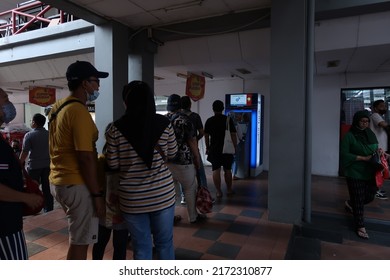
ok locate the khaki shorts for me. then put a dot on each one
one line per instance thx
(78, 205)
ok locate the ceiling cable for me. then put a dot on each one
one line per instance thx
(214, 33)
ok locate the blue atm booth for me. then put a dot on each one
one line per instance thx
(247, 111)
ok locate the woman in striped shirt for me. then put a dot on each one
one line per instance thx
(137, 146)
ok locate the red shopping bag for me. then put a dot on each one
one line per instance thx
(31, 186)
(385, 165)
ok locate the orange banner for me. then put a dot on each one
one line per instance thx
(195, 86)
(42, 96)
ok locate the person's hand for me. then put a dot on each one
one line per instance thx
(100, 206)
(364, 158)
(32, 200)
(197, 163)
(367, 158)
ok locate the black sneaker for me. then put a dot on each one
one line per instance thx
(381, 195)
(382, 191)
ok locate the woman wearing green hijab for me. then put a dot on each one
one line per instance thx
(357, 148)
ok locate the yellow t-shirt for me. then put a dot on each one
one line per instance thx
(72, 130)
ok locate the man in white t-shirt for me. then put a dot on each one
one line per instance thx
(379, 126)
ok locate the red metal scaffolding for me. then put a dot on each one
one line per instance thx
(30, 15)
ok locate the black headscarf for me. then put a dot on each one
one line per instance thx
(366, 136)
(140, 124)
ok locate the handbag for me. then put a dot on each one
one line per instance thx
(376, 162)
(228, 146)
(31, 186)
(204, 201)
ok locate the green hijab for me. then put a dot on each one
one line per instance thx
(365, 136)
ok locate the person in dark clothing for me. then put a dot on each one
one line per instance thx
(356, 150)
(12, 241)
(15, 145)
(36, 148)
(214, 137)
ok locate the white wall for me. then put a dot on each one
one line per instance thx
(216, 89)
(326, 125)
(326, 110)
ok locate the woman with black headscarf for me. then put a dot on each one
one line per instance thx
(137, 145)
(357, 148)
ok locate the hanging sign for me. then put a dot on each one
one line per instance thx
(195, 86)
(42, 96)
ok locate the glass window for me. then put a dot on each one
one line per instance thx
(353, 100)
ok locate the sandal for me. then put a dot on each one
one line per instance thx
(362, 233)
(176, 219)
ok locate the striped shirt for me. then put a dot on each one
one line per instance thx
(13, 247)
(142, 190)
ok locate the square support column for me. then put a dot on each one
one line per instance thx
(111, 52)
(290, 145)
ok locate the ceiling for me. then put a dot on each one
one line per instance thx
(175, 24)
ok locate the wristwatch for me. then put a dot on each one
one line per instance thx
(99, 194)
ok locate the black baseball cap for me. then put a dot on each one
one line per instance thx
(83, 69)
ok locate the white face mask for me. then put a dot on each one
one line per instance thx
(93, 96)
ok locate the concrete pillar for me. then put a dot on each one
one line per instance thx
(141, 58)
(111, 52)
(290, 142)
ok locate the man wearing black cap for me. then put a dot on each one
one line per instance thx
(184, 165)
(73, 158)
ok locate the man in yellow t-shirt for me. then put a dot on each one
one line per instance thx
(73, 158)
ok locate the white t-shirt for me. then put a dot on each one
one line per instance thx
(380, 133)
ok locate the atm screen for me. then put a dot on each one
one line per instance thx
(238, 100)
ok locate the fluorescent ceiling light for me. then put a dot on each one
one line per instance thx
(184, 5)
(208, 75)
(181, 75)
(243, 71)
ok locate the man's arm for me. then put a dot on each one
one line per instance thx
(23, 156)
(199, 127)
(11, 195)
(200, 134)
(234, 139)
(88, 168)
(26, 147)
(207, 142)
(383, 124)
(193, 144)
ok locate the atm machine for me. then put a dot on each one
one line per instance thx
(247, 111)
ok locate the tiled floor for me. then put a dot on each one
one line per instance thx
(239, 229)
